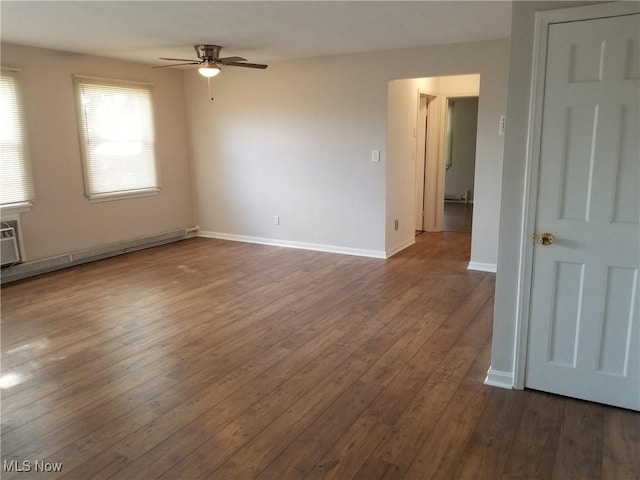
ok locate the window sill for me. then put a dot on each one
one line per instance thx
(13, 208)
(109, 197)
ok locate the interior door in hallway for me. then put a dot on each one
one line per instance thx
(583, 323)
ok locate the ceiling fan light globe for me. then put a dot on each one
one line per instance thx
(209, 71)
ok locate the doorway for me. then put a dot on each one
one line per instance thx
(415, 163)
(460, 162)
(445, 132)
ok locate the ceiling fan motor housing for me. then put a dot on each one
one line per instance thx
(208, 52)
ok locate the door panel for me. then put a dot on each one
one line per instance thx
(626, 208)
(583, 329)
(622, 283)
(565, 314)
(577, 163)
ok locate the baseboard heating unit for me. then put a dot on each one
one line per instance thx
(36, 267)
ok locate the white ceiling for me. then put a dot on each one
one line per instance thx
(142, 31)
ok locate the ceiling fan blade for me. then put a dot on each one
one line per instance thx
(176, 64)
(248, 65)
(179, 59)
(227, 60)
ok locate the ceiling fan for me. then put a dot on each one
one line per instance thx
(210, 61)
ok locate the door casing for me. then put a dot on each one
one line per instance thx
(532, 163)
(432, 193)
(434, 172)
(422, 142)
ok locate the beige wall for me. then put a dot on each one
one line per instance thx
(402, 114)
(62, 219)
(295, 140)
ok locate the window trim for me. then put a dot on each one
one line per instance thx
(115, 195)
(108, 197)
(17, 207)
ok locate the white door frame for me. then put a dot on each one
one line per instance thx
(543, 20)
(431, 190)
(445, 112)
(422, 154)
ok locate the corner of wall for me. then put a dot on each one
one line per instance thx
(398, 248)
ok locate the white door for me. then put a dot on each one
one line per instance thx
(583, 322)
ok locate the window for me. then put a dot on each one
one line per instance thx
(16, 187)
(117, 138)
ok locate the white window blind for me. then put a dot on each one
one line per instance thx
(16, 186)
(117, 136)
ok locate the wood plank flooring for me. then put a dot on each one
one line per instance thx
(457, 217)
(214, 359)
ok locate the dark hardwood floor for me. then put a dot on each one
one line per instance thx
(214, 359)
(457, 217)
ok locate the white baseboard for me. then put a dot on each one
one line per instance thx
(483, 267)
(360, 252)
(399, 248)
(497, 378)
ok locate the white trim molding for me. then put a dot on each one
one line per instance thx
(112, 196)
(500, 379)
(117, 81)
(274, 242)
(483, 267)
(543, 20)
(15, 208)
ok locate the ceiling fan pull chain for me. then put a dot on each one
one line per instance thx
(209, 85)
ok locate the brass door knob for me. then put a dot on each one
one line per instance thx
(546, 239)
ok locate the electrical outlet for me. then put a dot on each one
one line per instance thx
(397, 224)
(276, 219)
